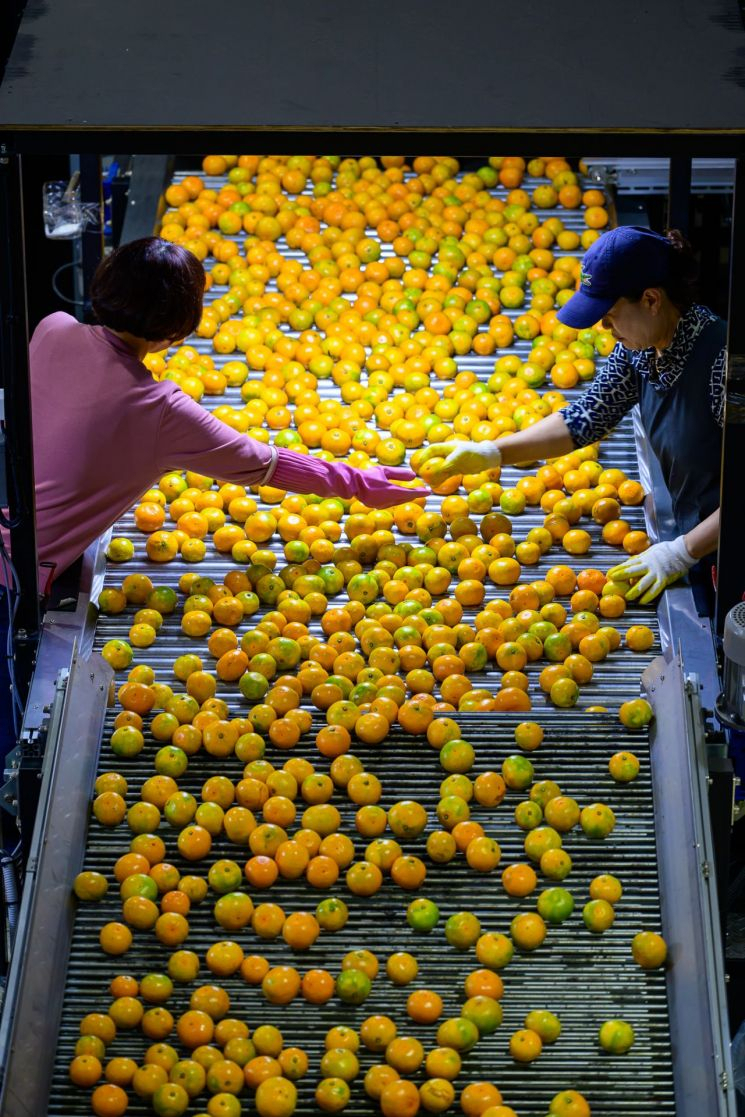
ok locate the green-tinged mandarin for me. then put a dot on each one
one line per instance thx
(616, 1036)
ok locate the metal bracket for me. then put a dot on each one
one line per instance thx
(29, 752)
(30, 748)
(690, 908)
(603, 174)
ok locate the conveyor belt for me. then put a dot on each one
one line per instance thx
(614, 680)
(583, 977)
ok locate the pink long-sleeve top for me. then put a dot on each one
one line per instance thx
(104, 431)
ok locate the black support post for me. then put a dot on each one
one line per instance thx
(91, 190)
(731, 563)
(14, 362)
(150, 176)
(721, 805)
(679, 194)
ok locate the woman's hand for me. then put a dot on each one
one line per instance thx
(375, 487)
(461, 457)
(655, 569)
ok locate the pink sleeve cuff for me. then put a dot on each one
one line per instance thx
(301, 473)
(266, 479)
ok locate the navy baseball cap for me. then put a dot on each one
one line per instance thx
(620, 262)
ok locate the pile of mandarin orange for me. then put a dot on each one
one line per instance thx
(374, 619)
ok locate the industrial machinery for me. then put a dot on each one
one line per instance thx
(661, 849)
(731, 704)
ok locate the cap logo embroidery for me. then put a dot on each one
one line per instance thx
(585, 278)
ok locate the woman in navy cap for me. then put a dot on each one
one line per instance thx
(670, 360)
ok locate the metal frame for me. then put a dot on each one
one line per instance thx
(380, 140)
(731, 569)
(650, 176)
(34, 993)
(679, 193)
(14, 339)
(63, 633)
(700, 1091)
(675, 766)
(91, 240)
(690, 911)
(721, 786)
(150, 175)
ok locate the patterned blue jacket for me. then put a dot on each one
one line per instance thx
(613, 391)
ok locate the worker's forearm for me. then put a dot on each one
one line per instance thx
(703, 538)
(548, 439)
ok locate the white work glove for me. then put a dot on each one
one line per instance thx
(461, 457)
(657, 567)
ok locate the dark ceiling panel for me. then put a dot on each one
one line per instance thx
(246, 64)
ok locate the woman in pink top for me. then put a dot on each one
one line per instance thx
(105, 430)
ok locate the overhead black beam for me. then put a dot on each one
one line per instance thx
(731, 565)
(375, 141)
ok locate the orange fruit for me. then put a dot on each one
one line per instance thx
(634, 542)
(400, 1099)
(494, 950)
(569, 1103)
(528, 735)
(484, 983)
(623, 767)
(317, 986)
(635, 714)
(109, 1101)
(401, 968)
(519, 880)
(639, 638)
(649, 949)
(115, 938)
(478, 1097)
(630, 492)
(253, 968)
(606, 887)
(525, 1045)
(276, 1097)
(424, 1007)
(300, 930)
(489, 789)
(261, 1068)
(85, 1070)
(281, 984)
(483, 853)
(598, 916)
(528, 930)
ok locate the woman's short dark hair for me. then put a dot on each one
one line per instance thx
(150, 288)
(682, 285)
